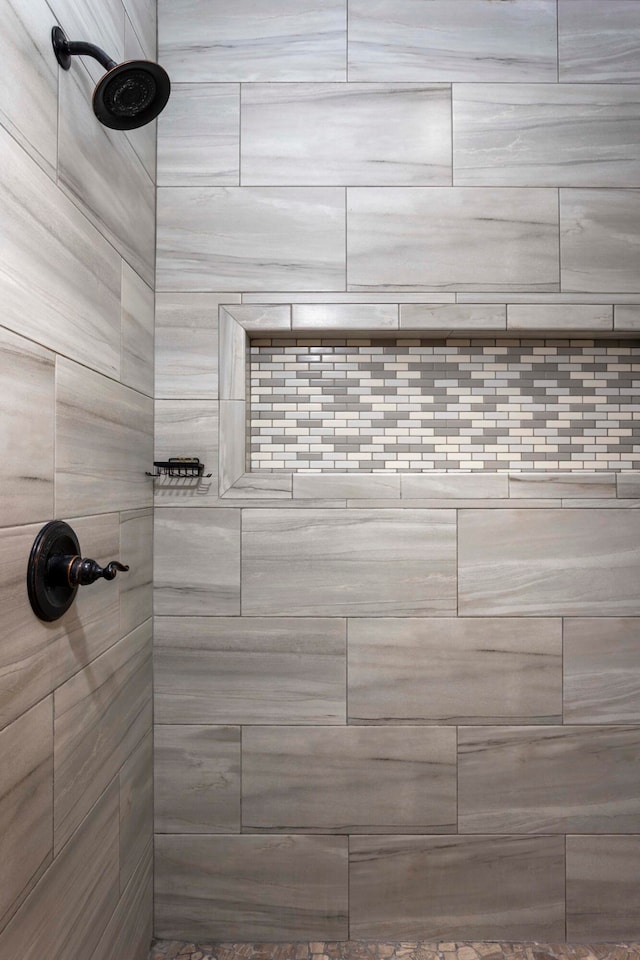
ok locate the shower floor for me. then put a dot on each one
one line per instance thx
(407, 950)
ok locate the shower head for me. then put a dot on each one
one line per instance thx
(129, 95)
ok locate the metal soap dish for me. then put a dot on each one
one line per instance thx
(184, 467)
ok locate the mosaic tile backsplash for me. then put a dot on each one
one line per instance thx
(455, 404)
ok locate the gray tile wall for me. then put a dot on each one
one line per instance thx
(349, 690)
(76, 378)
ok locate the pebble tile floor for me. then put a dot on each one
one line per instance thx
(368, 950)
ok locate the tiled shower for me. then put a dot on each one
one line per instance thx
(380, 682)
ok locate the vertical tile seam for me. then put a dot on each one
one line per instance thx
(240, 86)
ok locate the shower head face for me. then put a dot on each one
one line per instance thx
(131, 94)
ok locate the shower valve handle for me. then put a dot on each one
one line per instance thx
(81, 572)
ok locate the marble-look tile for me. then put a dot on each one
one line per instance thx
(136, 550)
(99, 21)
(626, 317)
(598, 240)
(549, 298)
(601, 661)
(544, 562)
(237, 40)
(250, 670)
(232, 347)
(187, 344)
(570, 779)
(440, 40)
(576, 484)
(100, 715)
(339, 562)
(442, 486)
(598, 41)
(26, 804)
(371, 133)
(628, 484)
(144, 140)
(187, 428)
(459, 670)
(130, 929)
(268, 888)
(101, 172)
(440, 238)
(197, 562)
(29, 92)
(346, 297)
(136, 808)
(603, 888)
(546, 135)
(345, 316)
(104, 443)
(27, 383)
(143, 15)
(349, 779)
(197, 779)
(254, 486)
(265, 238)
(559, 318)
(451, 316)
(457, 887)
(60, 282)
(38, 656)
(137, 332)
(357, 485)
(262, 318)
(199, 136)
(232, 438)
(65, 914)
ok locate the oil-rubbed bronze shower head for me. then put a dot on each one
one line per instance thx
(129, 95)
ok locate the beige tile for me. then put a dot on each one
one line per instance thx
(349, 779)
(601, 659)
(104, 443)
(251, 888)
(441, 486)
(370, 133)
(544, 562)
(199, 136)
(250, 670)
(197, 779)
(345, 316)
(265, 238)
(26, 804)
(197, 562)
(315, 562)
(27, 384)
(553, 317)
(66, 913)
(603, 884)
(457, 888)
(594, 45)
(130, 929)
(455, 670)
(187, 428)
(137, 331)
(355, 485)
(573, 779)
(597, 240)
(575, 484)
(101, 714)
(452, 316)
(136, 587)
(136, 808)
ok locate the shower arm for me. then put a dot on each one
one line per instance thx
(65, 49)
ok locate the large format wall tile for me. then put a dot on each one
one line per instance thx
(441, 40)
(136, 808)
(455, 670)
(142, 139)
(546, 562)
(100, 715)
(603, 889)
(197, 779)
(346, 562)
(104, 443)
(249, 670)
(361, 780)
(60, 279)
(137, 331)
(602, 670)
(100, 20)
(26, 804)
(237, 40)
(539, 135)
(599, 240)
(27, 384)
(199, 136)
(598, 41)
(129, 932)
(197, 562)
(136, 588)
(187, 428)
(346, 133)
(143, 15)
(251, 888)
(457, 888)
(436, 238)
(266, 238)
(581, 779)
(66, 913)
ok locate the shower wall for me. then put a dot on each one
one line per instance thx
(386, 717)
(77, 218)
